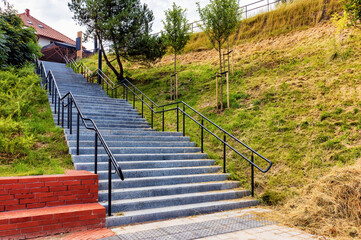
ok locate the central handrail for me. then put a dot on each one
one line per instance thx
(153, 106)
(50, 84)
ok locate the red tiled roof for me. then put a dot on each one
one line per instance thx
(45, 30)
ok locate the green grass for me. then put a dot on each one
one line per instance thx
(30, 142)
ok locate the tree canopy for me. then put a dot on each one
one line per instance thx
(176, 28)
(17, 44)
(125, 24)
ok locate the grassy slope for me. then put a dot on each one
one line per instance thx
(30, 142)
(294, 98)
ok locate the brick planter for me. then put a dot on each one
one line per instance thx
(46, 205)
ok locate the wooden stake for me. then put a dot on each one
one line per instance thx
(217, 91)
(171, 88)
(176, 85)
(232, 63)
(227, 77)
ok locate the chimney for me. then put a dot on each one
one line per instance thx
(27, 12)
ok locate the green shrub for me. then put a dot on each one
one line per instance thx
(29, 141)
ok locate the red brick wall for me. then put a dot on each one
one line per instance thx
(32, 223)
(75, 187)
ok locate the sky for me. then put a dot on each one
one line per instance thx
(57, 15)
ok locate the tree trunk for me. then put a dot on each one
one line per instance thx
(118, 74)
(217, 91)
(175, 75)
(220, 73)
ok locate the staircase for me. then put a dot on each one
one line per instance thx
(166, 175)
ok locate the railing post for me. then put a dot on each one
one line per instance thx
(252, 176)
(55, 107)
(126, 94)
(68, 111)
(62, 113)
(202, 135)
(71, 115)
(134, 98)
(96, 153)
(163, 119)
(152, 116)
(142, 107)
(77, 134)
(224, 153)
(52, 92)
(59, 110)
(123, 91)
(184, 120)
(110, 188)
(177, 118)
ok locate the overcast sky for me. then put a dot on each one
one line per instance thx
(57, 15)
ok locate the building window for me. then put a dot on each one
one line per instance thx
(29, 22)
(41, 26)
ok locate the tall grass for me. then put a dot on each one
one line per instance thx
(297, 15)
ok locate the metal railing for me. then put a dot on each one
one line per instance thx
(66, 102)
(246, 12)
(180, 107)
(108, 85)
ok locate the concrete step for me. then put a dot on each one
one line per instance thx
(88, 114)
(137, 204)
(146, 164)
(156, 172)
(135, 150)
(136, 137)
(130, 133)
(162, 180)
(154, 214)
(139, 157)
(133, 144)
(154, 191)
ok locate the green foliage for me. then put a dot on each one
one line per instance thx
(126, 24)
(219, 20)
(176, 28)
(18, 45)
(353, 8)
(29, 141)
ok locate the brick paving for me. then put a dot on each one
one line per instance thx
(238, 224)
(90, 234)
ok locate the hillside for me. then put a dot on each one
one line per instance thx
(30, 142)
(294, 98)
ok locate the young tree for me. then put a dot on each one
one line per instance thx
(220, 18)
(353, 8)
(125, 24)
(176, 28)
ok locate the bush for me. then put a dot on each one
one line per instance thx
(18, 45)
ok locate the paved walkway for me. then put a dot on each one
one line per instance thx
(238, 224)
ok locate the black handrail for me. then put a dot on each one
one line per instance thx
(50, 84)
(153, 106)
